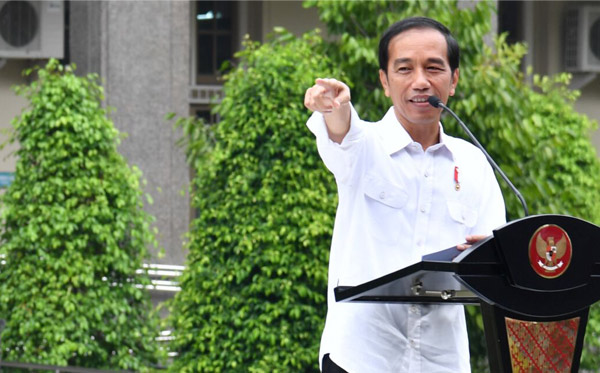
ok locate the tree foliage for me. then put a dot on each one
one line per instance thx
(253, 294)
(74, 234)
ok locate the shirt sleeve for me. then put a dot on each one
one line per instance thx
(340, 159)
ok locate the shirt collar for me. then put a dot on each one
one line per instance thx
(395, 137)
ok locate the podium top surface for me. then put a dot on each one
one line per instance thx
(545, 265)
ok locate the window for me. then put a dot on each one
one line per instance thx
(204, 112)
(214, 27)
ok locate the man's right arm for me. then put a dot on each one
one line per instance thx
(331, 98)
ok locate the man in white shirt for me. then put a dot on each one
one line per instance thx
(406, 189)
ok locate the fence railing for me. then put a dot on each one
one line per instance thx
(163, 276)
(205, 94)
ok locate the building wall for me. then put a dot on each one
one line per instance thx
(289, 14)
(10, 106)
(588, 104)
(547, 48)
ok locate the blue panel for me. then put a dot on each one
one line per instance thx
(6, 178)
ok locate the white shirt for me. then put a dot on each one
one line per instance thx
(396, 204)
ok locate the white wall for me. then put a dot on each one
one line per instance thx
(10, 106)
(547, 55)
(291, 15)
(588, 104)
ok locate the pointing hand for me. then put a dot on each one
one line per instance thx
(326, 95)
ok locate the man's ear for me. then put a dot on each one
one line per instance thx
(454, 82)
(384, 82)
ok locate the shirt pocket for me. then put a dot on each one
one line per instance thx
(384, 201)
(461, 213)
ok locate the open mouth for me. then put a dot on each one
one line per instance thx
(419, 100)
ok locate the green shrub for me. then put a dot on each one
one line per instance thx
(253, 295)
(74, 234)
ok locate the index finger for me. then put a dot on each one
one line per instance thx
(340, 91)
(329, 83)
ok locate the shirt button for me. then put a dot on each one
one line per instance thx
(413, 309)
(382, 195)
(423, 209)
(412, 343)
(426, 174)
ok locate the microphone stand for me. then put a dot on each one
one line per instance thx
(437, 103)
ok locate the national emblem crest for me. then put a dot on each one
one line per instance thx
(550, 251)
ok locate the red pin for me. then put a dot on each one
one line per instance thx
(456, 182)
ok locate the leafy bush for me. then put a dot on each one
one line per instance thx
(253, 294)
(74, 234)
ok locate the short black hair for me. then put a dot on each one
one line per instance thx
(418, 23)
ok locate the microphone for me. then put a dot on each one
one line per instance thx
(437, 103)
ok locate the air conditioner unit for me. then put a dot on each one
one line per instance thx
(32, 29)
(582, 39)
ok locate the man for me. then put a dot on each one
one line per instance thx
(405, 189)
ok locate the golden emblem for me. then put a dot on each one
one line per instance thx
(550, 250)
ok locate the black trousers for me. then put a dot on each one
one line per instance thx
(330, 367)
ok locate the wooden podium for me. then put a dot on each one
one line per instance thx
(534, 278)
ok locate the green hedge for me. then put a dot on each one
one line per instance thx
(253, 295)
(74, 233)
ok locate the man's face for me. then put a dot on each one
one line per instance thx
(417, 68)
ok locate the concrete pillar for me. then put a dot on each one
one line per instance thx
(141, 51)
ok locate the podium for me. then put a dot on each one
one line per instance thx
(534, 278)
